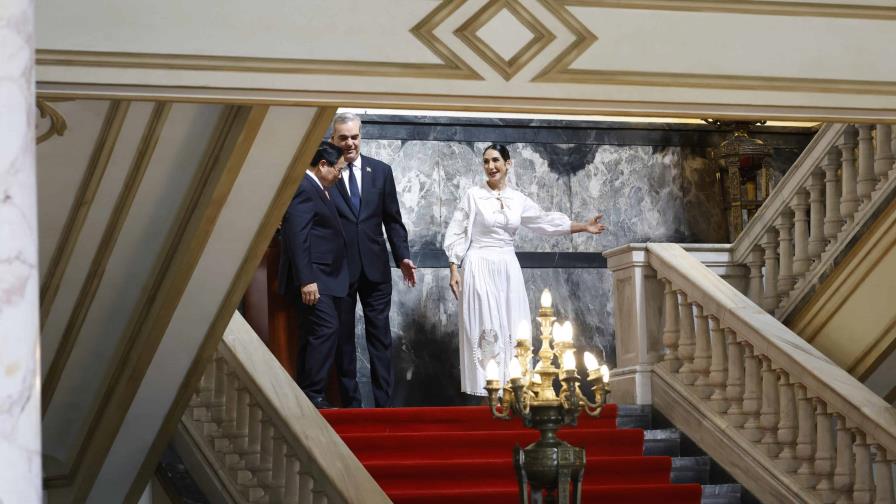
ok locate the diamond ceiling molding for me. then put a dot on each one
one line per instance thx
(558, 69)
(506, 67)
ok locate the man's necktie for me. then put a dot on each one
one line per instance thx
(354, 192)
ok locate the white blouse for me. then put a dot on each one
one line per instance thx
(490, 219)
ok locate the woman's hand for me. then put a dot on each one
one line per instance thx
(454, 282)
(594, 226)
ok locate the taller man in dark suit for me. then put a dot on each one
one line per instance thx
(367, 205)
(314, 269)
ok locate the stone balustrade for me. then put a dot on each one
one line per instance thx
(804, 429)
(845, 176)
(261, 436)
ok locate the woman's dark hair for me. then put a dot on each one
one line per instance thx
(502, 150)
(328, 152)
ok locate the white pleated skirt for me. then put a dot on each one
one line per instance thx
(493, 301)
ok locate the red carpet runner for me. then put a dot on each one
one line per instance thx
(463, 455)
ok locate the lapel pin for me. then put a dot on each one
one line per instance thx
(368, 168)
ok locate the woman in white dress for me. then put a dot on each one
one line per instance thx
(492, 295)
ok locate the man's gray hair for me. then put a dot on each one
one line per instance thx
(346, 117)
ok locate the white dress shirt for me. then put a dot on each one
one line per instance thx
(314, 178)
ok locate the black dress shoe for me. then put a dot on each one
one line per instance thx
(320, 403)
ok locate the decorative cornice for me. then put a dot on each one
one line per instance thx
(756, 7)
(57, 122)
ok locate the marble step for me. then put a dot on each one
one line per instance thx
(722, 494)
(662, 442)
(633, 416)
(690, 470)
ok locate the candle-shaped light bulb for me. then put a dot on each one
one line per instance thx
(491, 370)
(546, 299)
(557, 331)
(567, 331)
(514, 369)
(569, 360)
(591, 362)
(524, 331)
(605, 373)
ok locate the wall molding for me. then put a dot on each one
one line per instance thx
(84, 196)
(466, 102)
(305, 151)
(117, 217)
(222, 161)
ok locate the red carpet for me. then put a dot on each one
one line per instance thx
(462, 454)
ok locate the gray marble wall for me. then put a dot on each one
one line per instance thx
(651, 182)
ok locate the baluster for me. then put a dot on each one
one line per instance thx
(786, 279)
(850, 200)
(292, 491)
(805, 439)
(240, 432)
(845, 469)
(734, 390)
(686, 343)
(769, 414)
(755, 262)
(883, 161)
(800, 207)
(866, 180)
(702, 353)
(318, 495)
(752, 394)
(817, 241)
(254, 460)
(833, 220)
(824, 453)
(883, 477)
(306, 484)
(718, 370)
(670, 327)
(219, 396)
(787, 425)
(892, 173)
(770, 245)
(863, 486)
(278, 486)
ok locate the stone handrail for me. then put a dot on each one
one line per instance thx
(818, 426)
(262, 436)
(836, 188)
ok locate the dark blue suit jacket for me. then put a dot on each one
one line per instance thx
(313, 244)
(364, 232)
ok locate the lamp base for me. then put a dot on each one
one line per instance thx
(548, 468)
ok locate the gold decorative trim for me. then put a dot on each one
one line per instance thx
(57, 122)
(425, 33)
(584, 38)
(541, 37)
(104, 249)
(757, 7)
(316, 130)
(208, 192)
(451, 66)
(560, 71)
(86, 192)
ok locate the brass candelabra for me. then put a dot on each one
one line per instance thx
(550, 466)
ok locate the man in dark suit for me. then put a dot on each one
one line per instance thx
(367, 203)
(314, 270)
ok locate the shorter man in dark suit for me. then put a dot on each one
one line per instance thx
(313, 269)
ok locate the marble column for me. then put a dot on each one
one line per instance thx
(20, 449)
